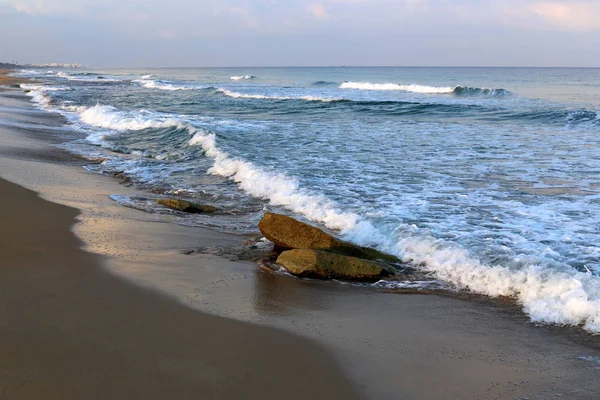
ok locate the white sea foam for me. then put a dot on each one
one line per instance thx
(39, 94)
(278, 188)
(566, 297)
(154, 84)
(26, 72)
(238, 95)
(238, 78)
(394, 86)
(84, 78)
(110, 118)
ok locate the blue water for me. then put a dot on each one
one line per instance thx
(487, 178)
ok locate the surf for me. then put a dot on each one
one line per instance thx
(549, 292)
(414, 88)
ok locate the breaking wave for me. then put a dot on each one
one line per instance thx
(238, 95)
(25, 72)
(156, 84)
(456, 90)
(40, 94)
(242, 77)
(394, 86)
(86, 77)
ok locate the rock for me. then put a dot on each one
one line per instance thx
(186, 206)
(307, 263)
(125, 180)
(288, 233)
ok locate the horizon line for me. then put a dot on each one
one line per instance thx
(16, 64)
(346, 66)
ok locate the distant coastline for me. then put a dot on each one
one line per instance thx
(16, 65)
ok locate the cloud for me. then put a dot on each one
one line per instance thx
(34, 7)
(318, 11)
(576, 16)
(244, 13)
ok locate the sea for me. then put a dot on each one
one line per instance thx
(485, 180)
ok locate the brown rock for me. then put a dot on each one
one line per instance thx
(307, 263)
(288, 233)
(186, 206)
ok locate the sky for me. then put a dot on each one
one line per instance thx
(197, 33)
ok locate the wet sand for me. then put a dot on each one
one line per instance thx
(388, 346)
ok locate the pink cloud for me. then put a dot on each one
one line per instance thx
(318, 11)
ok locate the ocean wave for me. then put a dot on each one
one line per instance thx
(324, 83)
(277, 188)
(238, 95)
(567, 118)
(86, 77)
(583, 118)
(413, 88)
(24, 72)
(39, 94)
(109, 117)
(242, 77)
(157, 84)
(395, 86)
(547, 295)
(476, 91)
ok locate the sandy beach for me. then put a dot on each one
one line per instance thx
(98, 301)
(7, 80)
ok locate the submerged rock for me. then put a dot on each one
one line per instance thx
(186, 206)
(307, 263)
(288, 233)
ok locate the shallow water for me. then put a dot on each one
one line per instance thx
(487, 177)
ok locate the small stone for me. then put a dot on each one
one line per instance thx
(186, 206)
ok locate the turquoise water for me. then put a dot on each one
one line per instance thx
(487, 178)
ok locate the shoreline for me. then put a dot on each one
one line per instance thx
(422, 338)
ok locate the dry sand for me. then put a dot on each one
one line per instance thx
(6, 80)
(390, 346)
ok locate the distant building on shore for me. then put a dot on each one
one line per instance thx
(15, 65)
(55, 65)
